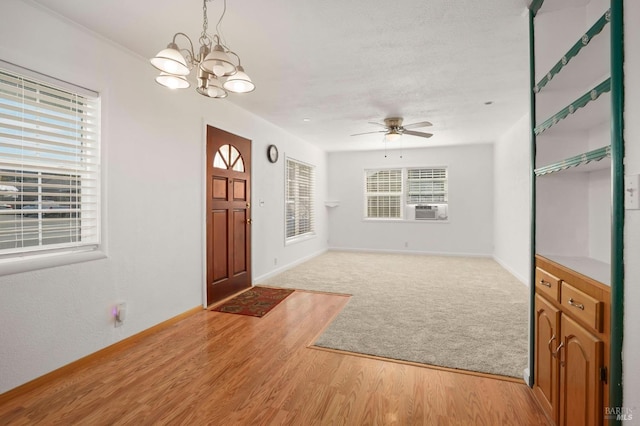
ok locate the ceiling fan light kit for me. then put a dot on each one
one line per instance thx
(213, 62)
(392, 136)
(394, 129)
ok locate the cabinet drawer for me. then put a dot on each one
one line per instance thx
(547, 284)
(582, 306)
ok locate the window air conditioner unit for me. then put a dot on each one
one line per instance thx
(426, 212)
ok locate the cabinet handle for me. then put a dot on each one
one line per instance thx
(576, 304)
(555, 354)
(551, 341)
(544, 283)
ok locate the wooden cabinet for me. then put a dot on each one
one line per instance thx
(581, 386)
(571, 344)
(547, 284)
(582, 306)
(546, 369)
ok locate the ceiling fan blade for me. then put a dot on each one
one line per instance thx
(378, 124)
(368, 133)
(417, 125)
(419, 134)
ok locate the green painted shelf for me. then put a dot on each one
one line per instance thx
(583, 100)
(575, 49)
(577, 160)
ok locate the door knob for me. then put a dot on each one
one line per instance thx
(249, 221)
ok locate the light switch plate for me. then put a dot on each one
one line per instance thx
(632, 192)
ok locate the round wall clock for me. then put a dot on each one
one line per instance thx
(272, 153)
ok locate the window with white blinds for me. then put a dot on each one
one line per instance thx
(395, 193)
(49, 167)
(383, 193)
(427, 185)
(299, 199)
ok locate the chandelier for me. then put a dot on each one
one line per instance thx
(217, 73)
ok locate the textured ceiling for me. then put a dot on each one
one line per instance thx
(344, 63)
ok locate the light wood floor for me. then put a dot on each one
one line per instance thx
(224, 369)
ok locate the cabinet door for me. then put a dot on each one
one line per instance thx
(546, 363)
(580, 384)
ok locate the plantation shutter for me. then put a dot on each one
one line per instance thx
(299, 200)
(383, 193)
(427, 185)
(49, 166)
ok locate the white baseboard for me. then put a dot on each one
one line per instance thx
(264, 277)
(526, 376)
(520, 278)
(430, 253)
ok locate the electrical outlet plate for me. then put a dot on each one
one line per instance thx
(632, 192)
(120, 313)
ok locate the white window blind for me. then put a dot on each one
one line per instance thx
(383, 193)
(49, 167)
(427, 185)
(299, 200)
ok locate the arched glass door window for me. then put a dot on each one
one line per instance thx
(228, 158)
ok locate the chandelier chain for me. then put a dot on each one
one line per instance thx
(218, 31)
(204, 37)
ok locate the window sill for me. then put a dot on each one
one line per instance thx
(299, 239)
(404, 221)
(33, 262)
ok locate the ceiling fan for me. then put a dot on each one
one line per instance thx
(394, 129)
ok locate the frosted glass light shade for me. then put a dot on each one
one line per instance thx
(392, 136)
(172, 81)
(171, 61)
(239, 82)
(217, 92)
(218, 62)
(213, 89)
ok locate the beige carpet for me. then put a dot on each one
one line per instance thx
(464, 313)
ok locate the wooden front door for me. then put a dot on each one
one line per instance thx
(228, 214)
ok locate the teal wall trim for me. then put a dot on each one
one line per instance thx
(532, 141)
(583, 100)
(578, 160)
(575, 49)
(617, 231)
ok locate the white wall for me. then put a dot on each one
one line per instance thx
(270, 254)
(154, 190)
(631, 344)
(562, 214)
(470, 227)
(599, 187)
(512, 211)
